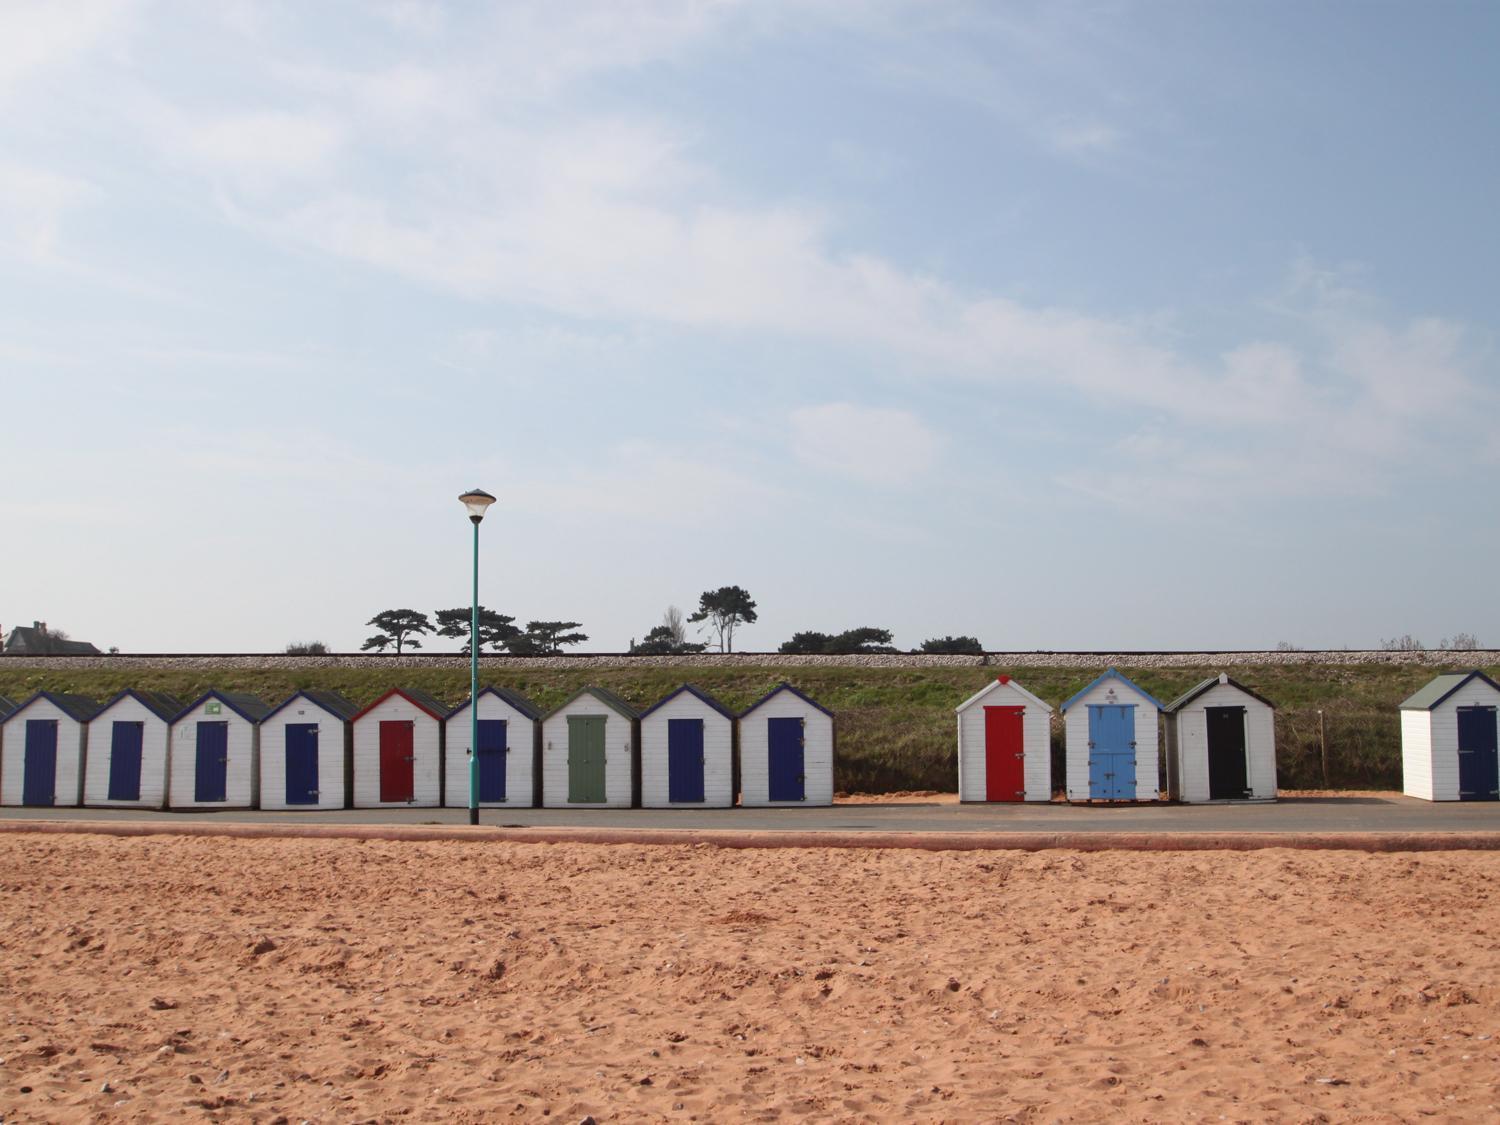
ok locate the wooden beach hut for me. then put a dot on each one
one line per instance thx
(1004, 744)
(1448, 739)
(1111, 734)
(591, 752)
(129, 750)
(1221, 743)
(687, 752)
(786, 750)
(42, 748)
(398, 751)
(510, 747)
(306, 756)
(216, 752)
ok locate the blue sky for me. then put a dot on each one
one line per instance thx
(1065, 326)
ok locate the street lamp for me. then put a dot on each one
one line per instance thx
(476, 500)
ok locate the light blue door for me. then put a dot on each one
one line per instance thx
(1112, 752)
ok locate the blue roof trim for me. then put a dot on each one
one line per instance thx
(329, 701)
(695, 691)
(246, 706)
(79, 708)
(1112, 674)
(514, 698)
(6, 707)
(159, 703)
(777, 690)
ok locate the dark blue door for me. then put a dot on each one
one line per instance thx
(492, 748)
(302, 763)
(125, 741)
(210, 781)
(1478, 769)
(1112, 752)
(788, 779)
(39, 781)
(685, 760)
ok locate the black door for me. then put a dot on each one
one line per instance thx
(1228, 779)
(1478, 775)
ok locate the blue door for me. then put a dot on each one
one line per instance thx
(1112, 752)
(685, 760)
(492, 748)
(787, 776)
(302, 763)
(1478, 769)
(211, 776)
(39, 781)
(125, 741)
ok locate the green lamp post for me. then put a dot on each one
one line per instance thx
(476, 500)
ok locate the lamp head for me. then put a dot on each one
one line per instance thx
(477, 500)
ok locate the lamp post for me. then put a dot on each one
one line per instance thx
(476, 500)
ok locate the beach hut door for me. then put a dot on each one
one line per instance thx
(788, 779)
(1228, 775)
(302, 763)
(1004, 754)
(1111, 752)
(39, 782)
(492, 733)
(1478, 770)
(211, 769)
(586, 759)
(684, 760)
(125, 741)
(396, 760)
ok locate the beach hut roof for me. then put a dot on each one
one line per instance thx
(159, 703)
(418, 698)
(1112, 674)
(79, 708)
(6, 707)
(1441, 687)
(604, 696)
(1212, 682)
(330, 701)
(777, 690)
(995, 685)
(514, 698)
(251, 708)
(697, 693)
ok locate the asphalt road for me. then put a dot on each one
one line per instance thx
(1292, 814)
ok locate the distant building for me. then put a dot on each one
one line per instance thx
(35, 640)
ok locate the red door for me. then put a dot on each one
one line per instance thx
(396, 760)
(1004, 754)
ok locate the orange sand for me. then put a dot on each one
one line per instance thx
(164, 977)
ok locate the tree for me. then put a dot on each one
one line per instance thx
(865, 639)
(545, 638)
(307, 648)
(724, 610)
(660, 642)
(807, 643)
(1404, 643)
(1461, 642)
(378, 643)
(953, 646)
(495, 629)
(672, 622)
(402, 626)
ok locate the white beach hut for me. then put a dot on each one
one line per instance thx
(1004, 744)
(129, 744)
(42, 748)
(1221, 744)
(398, 751)
(786, 750)
(590, 752)
(216, 752)
(1111, 734)
(1448, 739)
(687, 752)
(510, 747)
(306, 757)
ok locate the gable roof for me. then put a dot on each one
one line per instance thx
(6, 707)
(995, 685)
(434, 707)
(697, 693)
(27, 640)
(79, 708)
(159, 703)
(604, 696)
(249, 707)
(1212, 682)
(330, 701)
(1112, 674)
(777, 690)
(1441, 687)
(514, 698)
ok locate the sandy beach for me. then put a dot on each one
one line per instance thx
(162, 978)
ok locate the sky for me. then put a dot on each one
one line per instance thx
(1061, 325)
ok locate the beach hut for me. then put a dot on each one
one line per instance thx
(1448, 739)
(786, 750)
(42, 748)
(1221, 744)
(1004, 744)
(590, 752)
(510, 748)
(1110, 732)
(687, 752)
(305, 754)
(216, 752)
(129, 741)
(398, 751)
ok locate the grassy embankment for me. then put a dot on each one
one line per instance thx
(895, 725)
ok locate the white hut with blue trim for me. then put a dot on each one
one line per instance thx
(216, 752)
(591, 752)
(787, 746)
(1111, 734)
(1004, 744)
(1221, 743)
(129, 750)
(687, 752)
(42, 748)
(1448, 739)
(510, 749)
(307, 752)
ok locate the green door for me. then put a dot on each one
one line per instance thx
(586, 759)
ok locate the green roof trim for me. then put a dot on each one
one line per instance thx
(1441, 687)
